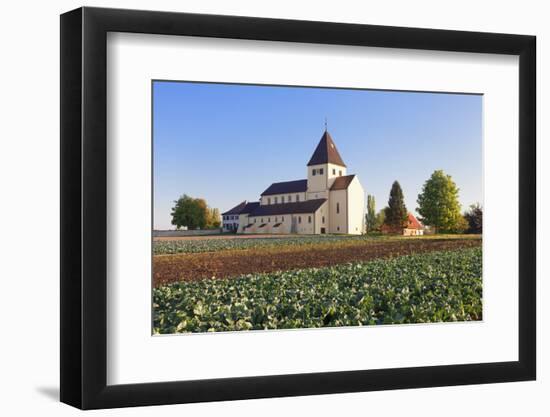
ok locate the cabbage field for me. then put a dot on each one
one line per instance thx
(164, 247)
(421, 288)
(170, 247)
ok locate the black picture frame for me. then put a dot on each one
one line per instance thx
(84, 207)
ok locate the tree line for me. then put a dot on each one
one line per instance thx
(194, 213)
(438, 207)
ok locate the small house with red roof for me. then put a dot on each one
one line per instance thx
(412, 227)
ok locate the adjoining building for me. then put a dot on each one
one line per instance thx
(230, 219)
(328, 201)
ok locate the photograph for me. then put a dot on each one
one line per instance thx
(292, 207)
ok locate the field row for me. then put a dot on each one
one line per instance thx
(167, 247)
(222, 264)
(435, 287)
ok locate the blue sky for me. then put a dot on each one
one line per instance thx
(227, 143)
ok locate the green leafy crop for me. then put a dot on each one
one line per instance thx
(213, 245)
(165, 247)
(435, 287)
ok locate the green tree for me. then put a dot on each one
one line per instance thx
(371, 213)
(396, 212)
(474, 217)
(438, 204)
(380, 217)
(190, 212)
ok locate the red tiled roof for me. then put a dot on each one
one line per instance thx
(413, 223)
(342, 183)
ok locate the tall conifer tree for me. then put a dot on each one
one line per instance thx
(396, 212)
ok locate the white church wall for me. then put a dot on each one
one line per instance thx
(337, 211)
(303, 226)
(243, 221)
(322, 214)
(284, 227)
(356, 207)
(334, 171)
(317, 182)
(278, 198)
(317, 194)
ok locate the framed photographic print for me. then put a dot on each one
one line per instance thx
(341, 207)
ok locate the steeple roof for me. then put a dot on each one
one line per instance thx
(326, 152)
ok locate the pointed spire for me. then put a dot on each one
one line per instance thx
(326, 152)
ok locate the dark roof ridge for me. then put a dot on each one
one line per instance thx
(237, 209)
(308, 206)
(285, 187)
(326, 152)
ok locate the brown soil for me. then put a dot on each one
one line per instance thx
(188, 267)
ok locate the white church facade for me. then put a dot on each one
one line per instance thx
(329, 201)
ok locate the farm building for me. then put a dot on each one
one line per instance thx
(413, 227)
(230, 219)
(328, 201)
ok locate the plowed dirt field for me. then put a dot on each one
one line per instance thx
(224, 264)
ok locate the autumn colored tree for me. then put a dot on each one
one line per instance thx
(194, 213)
(213, 219)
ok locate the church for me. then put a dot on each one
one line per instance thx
(329, 201)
